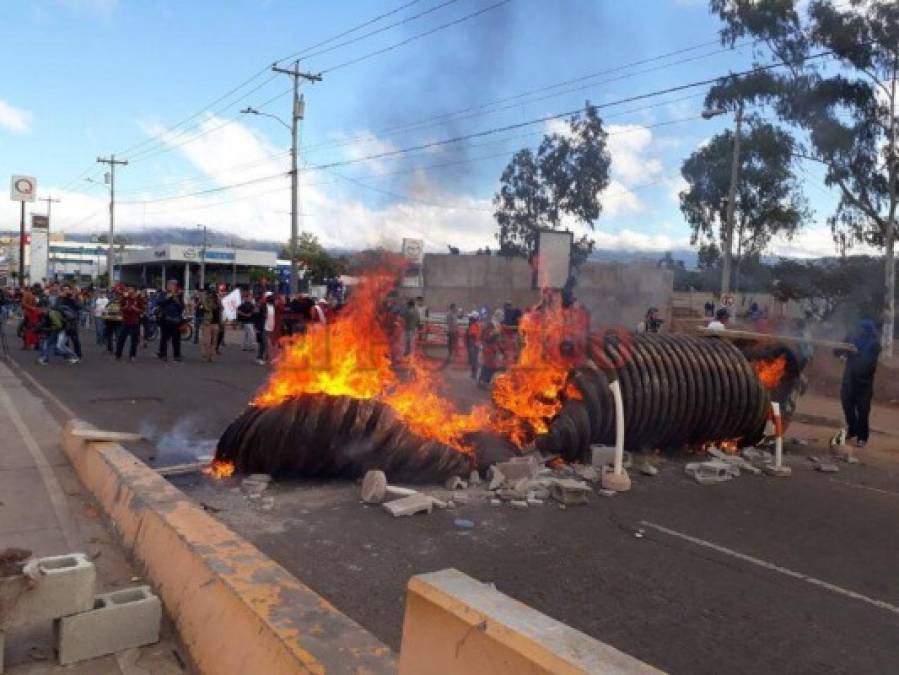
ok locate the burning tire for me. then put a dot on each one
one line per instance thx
(334, 436)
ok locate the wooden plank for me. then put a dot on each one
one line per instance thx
(101, 435)
(733, 334)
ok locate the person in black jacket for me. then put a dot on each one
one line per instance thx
(170, 315)
(858, 380)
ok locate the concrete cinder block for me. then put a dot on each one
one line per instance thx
(49, 588)
(118, 620)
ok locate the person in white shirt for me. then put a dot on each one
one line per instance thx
(722, 316)
(99, 324)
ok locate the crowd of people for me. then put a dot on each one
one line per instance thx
(52, 317)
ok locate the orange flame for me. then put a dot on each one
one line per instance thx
(533, 390)
(351, 357)
(219, 468)
(771, 372)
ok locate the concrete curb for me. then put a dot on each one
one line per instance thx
(470, 628)
(236, 610)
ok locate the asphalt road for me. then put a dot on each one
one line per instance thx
(756, 575)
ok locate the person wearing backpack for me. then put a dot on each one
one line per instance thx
(70, 308)
(112, 320)
(170, 314)
(51, 327)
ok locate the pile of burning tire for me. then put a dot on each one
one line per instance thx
(677, 391)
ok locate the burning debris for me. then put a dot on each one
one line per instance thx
(337, 407)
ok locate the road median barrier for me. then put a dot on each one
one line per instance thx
(470, 628)
(236, 610)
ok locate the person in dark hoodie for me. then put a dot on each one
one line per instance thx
(858, 380)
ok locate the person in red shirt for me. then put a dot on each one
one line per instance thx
(133, 307)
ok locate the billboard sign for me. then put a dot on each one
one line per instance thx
(40, 248)
(553, 260)
(23, 188)
(414, 250)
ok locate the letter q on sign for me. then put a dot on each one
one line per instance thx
(22, 188)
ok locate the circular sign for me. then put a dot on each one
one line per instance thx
(728, 300)
(24, 186)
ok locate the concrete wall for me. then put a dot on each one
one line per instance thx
(620, 293)
(613, 293)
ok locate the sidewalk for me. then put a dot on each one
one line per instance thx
(44, 509)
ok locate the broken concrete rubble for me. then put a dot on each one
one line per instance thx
(569, 492)
(410, 505)
(517, 468)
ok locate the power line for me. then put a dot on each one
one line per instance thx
(206, 192)
(413, 38)
(548, 118)
(339, 45)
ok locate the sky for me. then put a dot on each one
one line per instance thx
(162, 84)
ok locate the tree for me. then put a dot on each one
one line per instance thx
(320, 264)
(769, 199)
(848, 114)
(565, 178)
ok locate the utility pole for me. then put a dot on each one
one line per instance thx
(299, 109)
(22, 246)
(110, 252)
(203, 261)
(727, 261)
(50, 201)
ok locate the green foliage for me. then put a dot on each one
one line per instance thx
(769, 197)
(320, 264)
(565, 178)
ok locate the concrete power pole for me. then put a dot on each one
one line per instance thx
(297, 114)
(727, 259)
(110, 252)
(50, 201)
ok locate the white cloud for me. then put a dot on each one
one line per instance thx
(14, 119)
(371, 146)
(332, 210)
(813, 242)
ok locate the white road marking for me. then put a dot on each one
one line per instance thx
(48, 477)
(865, 487)
(880, 604)
(41, 388)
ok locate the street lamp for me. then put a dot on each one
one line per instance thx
(299, 110)
(727, 257)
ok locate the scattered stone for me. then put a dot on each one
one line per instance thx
(497, 478)
(439, 503)
(540, 492)
(518, 468)
(712, 471)
(586, 472)
(826, 467)
(778, 471)
(407, 506)
(646, 468)
(495, 502)
(267, 503)
(851, 459)
(519, 503)
(375, 488)
(799, 441)
(814, 458)
(569, 492)
(254, 487)
(474, 479)
(533, 501)
(455, 483)
(619, 482)
(460, 498)
(260, 477)
(606, 493)
(463, 523)
(451, 504)
(638, 534)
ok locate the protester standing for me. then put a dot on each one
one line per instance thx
(132, 307)
(51, 328)
(245, 313)
(857, 388)
(211, 321)
(473, 342)
(491, 349)
(100, 303)
(69, 307)
(411, 322)
(170, 315)
(452, 326)
(112, 320)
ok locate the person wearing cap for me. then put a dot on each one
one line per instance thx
(857, 388)
(722, 316)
